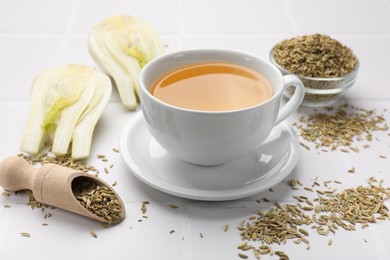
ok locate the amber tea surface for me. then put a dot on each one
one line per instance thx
(212, 86)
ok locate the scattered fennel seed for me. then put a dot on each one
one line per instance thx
(104, 225)
(330, 211)
(304, 146)
(93, 234)
(308, 189)
(226, 228)
(172, 206)
(355, 149)
(341, 127)
(364, 226)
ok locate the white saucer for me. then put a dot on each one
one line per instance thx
(247, 176)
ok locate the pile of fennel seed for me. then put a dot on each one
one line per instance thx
(341, 127)
(331, 211)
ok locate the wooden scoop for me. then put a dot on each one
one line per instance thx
(51, 184)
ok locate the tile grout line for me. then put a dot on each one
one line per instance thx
(387, 4)
(181, 23)
(379, 246)
(181, 33)
(65, 35)
(185, 227)
(26, 100)
(5, 227)
(290, 17)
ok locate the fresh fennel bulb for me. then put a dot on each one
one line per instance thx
(66, 104)
(121, 46)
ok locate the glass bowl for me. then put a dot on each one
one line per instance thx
(320, 92)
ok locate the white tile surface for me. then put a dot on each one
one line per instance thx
(38, 34)
(245, 16)
(347, 16)
(91, 12)
(29, 55)
(206, 224)
(257, 44)
(14, 129)
(373, 55)
(75, 50)
(38, 16)
(68, 237)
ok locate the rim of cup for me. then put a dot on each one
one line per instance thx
(210, 50)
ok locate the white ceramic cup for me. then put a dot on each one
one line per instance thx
(214, 137)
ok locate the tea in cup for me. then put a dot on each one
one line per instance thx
(212, 86)
(212, 106)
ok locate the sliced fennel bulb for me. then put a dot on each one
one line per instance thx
(66, 103)
(121, 46)
(81, 141)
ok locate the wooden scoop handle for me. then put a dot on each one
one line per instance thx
(16, 174)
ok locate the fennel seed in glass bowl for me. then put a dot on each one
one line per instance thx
(326, 67)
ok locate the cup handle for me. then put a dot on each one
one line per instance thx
(295, 100)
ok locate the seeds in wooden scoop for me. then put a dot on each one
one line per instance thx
(98, 199)
(65, 161)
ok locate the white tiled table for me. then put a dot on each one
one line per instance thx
(37, 34)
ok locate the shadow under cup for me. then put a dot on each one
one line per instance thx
(212, 137)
